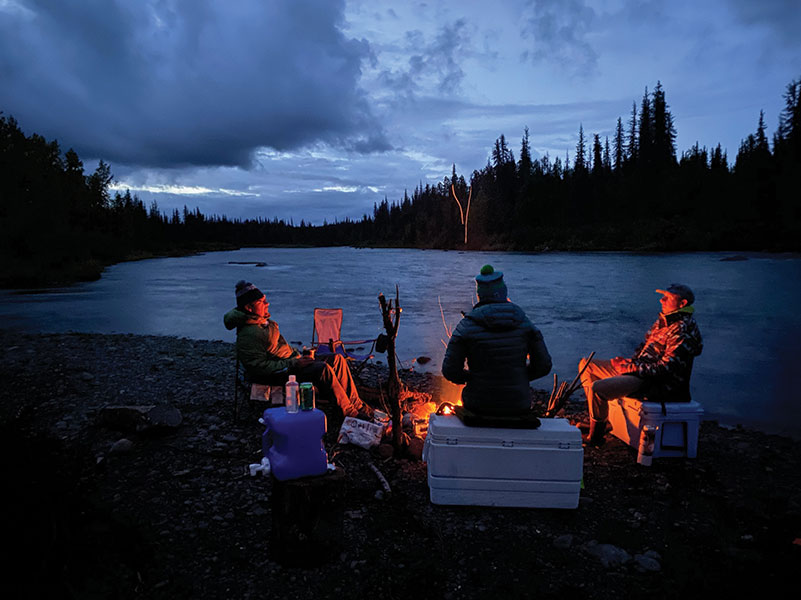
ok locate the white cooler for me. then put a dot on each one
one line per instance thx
(488, 466)
(676, 431)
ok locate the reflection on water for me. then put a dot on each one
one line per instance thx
(747, 310)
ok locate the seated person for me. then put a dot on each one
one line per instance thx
(503, 350)
(268, 358)
(660, 368)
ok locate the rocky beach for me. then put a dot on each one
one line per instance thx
(98, 510)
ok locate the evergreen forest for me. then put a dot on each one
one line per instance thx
(635, 191)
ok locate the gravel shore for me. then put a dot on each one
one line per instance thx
(101, 513)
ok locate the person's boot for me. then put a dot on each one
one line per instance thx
(595, 437)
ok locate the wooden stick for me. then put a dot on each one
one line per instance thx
(381, 478)
(573, 386)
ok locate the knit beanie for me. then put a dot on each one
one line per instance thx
(490, 286)
(246, 293)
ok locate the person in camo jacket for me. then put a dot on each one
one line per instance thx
(659, 370)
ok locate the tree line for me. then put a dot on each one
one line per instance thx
(59, 223)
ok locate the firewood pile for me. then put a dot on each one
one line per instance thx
(562, 391)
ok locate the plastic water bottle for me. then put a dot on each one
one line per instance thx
(292, 395)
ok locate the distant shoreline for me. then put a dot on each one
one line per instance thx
(29, 274)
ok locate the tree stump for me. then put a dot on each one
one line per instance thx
(307, 517)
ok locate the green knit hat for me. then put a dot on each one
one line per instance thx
(490, 286)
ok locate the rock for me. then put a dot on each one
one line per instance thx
(140, 419)
(646, 564)
(609, 555)
(121, 446)
(653, 554)
(415, 448)
(563, 542)
(385, 450)
(86, 376)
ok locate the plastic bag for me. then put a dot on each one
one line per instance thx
(360, 433)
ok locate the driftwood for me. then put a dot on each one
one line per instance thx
(560, 393)
(381, 478)
(391, 317)
(307, 518)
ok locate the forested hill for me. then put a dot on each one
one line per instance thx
(633, 191)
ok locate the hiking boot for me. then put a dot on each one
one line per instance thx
(595, 437)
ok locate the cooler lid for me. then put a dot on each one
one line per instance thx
(448, 429)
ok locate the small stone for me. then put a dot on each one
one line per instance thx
(646, 564)
(609, 555)
(86, 376)
(121, 446)
(385, 450)
(563, 542)
(379, 495)
(653, 554)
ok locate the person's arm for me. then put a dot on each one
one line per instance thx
(539, 360)
(257, 350)
(259, 364)
(455, 355)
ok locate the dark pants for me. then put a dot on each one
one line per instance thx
(332, 377)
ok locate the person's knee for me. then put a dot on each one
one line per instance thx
(337, 361)
(598, 388)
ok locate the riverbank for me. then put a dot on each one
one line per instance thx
(177, 516)
(46, 270)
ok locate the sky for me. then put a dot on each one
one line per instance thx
(319, 109)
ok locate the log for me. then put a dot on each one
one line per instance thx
(307, 517)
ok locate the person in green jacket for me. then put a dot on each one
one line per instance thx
(268, 358)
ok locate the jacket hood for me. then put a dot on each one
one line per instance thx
(497, 316)
(236, 317)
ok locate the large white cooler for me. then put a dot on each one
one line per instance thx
(676, 431)
(489, 466)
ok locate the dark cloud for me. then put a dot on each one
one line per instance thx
(432, 64)
(181, 82)
(557, 33)
(783, 17)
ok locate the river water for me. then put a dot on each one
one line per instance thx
(747, 309)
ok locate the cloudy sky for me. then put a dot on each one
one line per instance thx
(317, 109)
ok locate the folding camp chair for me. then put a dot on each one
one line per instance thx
(249, 393)
(326, 338)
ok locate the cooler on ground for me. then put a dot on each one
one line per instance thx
(489, 466)
(676, 431)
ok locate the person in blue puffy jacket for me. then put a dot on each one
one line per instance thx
(502, 348)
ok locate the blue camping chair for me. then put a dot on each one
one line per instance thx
(326, 338)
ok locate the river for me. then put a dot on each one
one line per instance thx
(746, 308)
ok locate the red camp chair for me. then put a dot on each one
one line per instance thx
(326, 338)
